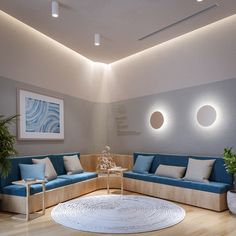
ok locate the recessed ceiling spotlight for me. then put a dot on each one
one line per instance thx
(55, 8)
(199, 0)
(96, 39)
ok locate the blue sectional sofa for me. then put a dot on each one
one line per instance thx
(62, 188)
(211, 195)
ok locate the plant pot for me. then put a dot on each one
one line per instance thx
(231, 201)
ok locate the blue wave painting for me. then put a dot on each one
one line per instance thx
(42, 116)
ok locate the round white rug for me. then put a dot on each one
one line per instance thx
(117, 214)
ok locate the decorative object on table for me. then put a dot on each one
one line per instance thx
(7, 141)
(105, 161)
(118, 214)
(42, 117)
(230, 165)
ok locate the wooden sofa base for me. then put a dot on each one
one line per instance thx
(52, 197)
(212, 201)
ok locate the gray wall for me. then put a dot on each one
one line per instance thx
(84, 122)
(125, 125)
(129, 128)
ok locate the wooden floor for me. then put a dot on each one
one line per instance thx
(197, 222)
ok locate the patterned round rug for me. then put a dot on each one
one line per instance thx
(117, 214)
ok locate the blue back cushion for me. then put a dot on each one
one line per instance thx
(173, 160)
(32, 171)
(155, 161)
(218, 173)
(143, 164)
(58, 162)
(14, 174)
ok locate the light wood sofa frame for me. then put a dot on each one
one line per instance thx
(203, 199)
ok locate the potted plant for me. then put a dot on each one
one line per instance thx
(7, 141)
(230, 165)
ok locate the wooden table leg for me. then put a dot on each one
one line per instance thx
(43, 186)
(121, 187)
(27, 201)
(108, 182)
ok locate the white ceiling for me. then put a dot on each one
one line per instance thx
(121, 23)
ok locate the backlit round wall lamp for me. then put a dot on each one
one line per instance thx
(206, 115)
(156, 120)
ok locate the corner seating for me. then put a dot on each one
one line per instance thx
(63, 188)
(210, 195)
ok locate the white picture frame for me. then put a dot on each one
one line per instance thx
(41, 116)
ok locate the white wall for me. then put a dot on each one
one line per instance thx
(29, 56)
(202, 56)
(199, 57)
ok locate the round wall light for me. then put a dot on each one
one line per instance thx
(156, 120)
(206, 115)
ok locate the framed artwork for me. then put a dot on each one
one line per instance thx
(41, 116)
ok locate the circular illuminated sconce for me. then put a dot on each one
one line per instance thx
(206, 116)
(156, 120)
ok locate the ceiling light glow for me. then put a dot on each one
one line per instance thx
(55, 9)
(96, 39)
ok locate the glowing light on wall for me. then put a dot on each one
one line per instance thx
(156, 120)
(206, 115)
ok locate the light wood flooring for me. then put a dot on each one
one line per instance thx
(197, 222)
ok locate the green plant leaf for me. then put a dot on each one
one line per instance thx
(230, 160)
(7, 141)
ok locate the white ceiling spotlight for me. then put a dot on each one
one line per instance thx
(199, 0)
(55, 8)
(97, 39)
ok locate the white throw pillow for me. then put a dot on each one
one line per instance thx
(50, 172)
(176, 172)
(72, 165)
(199, 170)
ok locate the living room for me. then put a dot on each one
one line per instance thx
(110, 92)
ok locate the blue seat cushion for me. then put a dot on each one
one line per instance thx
(14, 175)
(213, 187)
(75, 178)
(20, 190)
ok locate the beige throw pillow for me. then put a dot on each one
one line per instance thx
(176, 172)
(199, 170)
(50, 172)
(72, 165)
